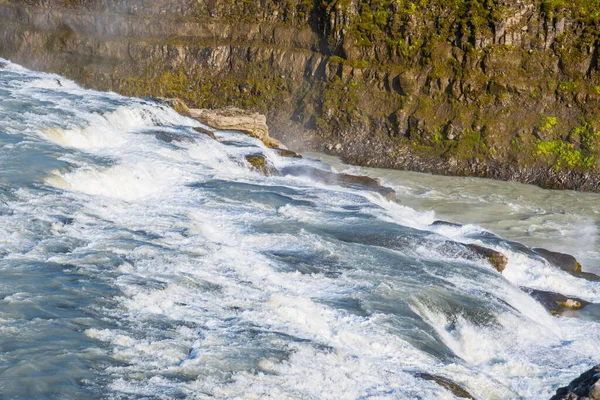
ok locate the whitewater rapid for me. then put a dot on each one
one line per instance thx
(138, 267)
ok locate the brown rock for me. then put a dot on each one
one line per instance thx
(345, 180)
(205, 131)
(497, 259)
(447, 384)
(236, 119)
(563, 261)
(288, 153)
(260, 163)
(556, 303)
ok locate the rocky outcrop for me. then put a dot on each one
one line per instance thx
(586, 387)
(566, 262)
(556, 303)
(447, 384)
(495, 258)
(506, 90)
(259, 162)
(344, 180)
(236, 119)
(206, 132)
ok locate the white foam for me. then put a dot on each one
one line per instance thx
(127, 182)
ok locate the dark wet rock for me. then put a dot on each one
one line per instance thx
(586, 387)
(497, 259)
(556, 303)
(288, 153)
(445, 223)
(169, 137)
(587, 275)
(447, 384)
(260, 163)
(563, 261)
(206, 132)
(345, 180)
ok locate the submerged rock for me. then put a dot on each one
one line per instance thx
(169, 137)
(236, 119)
(288, 153)
(445, 223)
(344, 180)
(447, 384)
(586, 387)
(556, 303)
(497, 259)
(205, 131)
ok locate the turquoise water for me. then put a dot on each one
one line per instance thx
(137, 267)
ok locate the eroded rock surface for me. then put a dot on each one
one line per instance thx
(236, 119)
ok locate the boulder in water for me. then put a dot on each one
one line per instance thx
(206, 132)
(260, 163)
(344, 180)
(497, 259)
(563, 261)
(586, 387)
(556, 303)
(447, 384)
(169, 137)
(288, 153)
(445, 223)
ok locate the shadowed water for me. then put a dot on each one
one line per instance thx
(138, 267)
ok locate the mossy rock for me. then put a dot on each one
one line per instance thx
(288, 153)
(259, 162)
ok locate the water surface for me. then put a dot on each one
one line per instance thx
(141, 259)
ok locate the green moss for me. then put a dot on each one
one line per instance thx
(561, 155)
(567, 86)
(548, 123)
(471, 145)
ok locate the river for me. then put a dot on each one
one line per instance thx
(142, 260)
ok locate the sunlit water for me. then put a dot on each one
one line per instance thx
(141, 259)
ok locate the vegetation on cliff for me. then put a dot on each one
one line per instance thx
(478, 86)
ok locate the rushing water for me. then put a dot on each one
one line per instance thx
(141, 259)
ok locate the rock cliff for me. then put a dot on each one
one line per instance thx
(495, 88)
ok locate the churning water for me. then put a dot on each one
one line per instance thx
(140, 259)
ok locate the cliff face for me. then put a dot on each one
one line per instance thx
(496, 88)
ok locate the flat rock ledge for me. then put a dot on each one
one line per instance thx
(586, 387)
(227, 118)
(236, 119)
